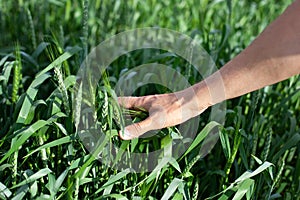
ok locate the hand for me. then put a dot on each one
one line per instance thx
(165, 110)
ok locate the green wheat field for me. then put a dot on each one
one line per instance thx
(44, 43)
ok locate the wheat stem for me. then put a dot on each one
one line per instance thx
(236, 144)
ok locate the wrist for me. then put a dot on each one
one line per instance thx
(197, 98)
(202, 94)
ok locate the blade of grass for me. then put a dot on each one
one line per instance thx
(113, 179)
(57, 62)
(27, 132)
(205, 131)
(60, 141)
(29, 98)
(36, 176)
(4, 191)
(171, 189)
(245, 186)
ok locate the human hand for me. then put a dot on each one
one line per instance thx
(165, 110)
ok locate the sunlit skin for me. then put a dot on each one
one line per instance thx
(272, 57)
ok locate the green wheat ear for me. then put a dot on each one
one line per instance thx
(62, 88)
(191, 164)
(85, 26)
(196, 189)
(31, 28)
(53, 52)
(267, 146)
(104, 111)
(17, 75)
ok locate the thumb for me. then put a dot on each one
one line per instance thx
(137, 129)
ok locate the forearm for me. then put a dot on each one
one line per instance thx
(272, 57)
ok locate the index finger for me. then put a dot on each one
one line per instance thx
(130, 102)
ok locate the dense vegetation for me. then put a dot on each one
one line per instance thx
(43, 44)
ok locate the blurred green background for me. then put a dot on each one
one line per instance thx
(41, 156)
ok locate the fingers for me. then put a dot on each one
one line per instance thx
(129, 102)
(137, 129)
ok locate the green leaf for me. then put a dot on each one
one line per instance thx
(177, 196)
(83, 181)
(44, 197)
(78, 162)
(162, 163)
(257, 159)
(60, 181)
(227, 194)
(40, 48)
(245, 176)
(4, 191)
(56, 2)
(61, 128)
(225, 143)
(171, 189)
(287, 145)
(113, 179)
(205, 131)
(4, 59)
(7, 71)
(30, 59)
(133, 144)
(68, 82)
(115, 196)
(108, 189)
(50, 184)
(24, 134)
(54, 143)
(92, 156)
(122, 149)
(29, 98)
(36, 176)
(4, 166)
(175, 164)
(243, 188)
(31, 113)
(33, 189)
(248, 175)
(21, 192)
(65, 56)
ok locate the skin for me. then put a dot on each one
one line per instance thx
(272, 57)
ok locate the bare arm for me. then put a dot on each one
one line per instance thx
(272, 57)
